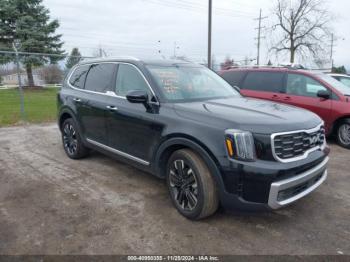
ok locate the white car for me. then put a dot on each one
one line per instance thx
(345, 79)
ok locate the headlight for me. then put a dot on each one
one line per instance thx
(240, 144)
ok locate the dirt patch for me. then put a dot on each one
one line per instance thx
(50, 204)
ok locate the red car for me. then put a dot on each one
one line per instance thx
(312, 90)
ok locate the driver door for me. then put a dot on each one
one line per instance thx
(301, 91)
(131, 129)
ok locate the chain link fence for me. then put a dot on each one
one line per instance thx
(29, 103)
(28, 95)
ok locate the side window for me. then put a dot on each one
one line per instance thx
(234, 78)
(302, 85)
(100, 78)
(78, 77)
(130, 79)
(264, 81)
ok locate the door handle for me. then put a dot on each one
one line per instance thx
(77, 99)
(287, 98)
(112, 108)
(275, 97)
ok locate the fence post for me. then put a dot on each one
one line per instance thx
(20, 89)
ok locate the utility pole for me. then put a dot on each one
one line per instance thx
(160, 50)
(101, 52)
(16, 45)
(210, 12)
(332, 47)
(259, 36)
(175, 48)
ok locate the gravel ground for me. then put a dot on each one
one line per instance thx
(50, 204)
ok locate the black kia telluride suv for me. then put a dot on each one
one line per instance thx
(182, 122)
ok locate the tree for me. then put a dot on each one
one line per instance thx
(227, 64)
(29, 22)
(52, 74)
(339, 70)
(321, 62)
(73, 58)
(304, 27)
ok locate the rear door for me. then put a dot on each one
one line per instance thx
(78, 97)
(301, 91)
(263, 84)
(99, 81)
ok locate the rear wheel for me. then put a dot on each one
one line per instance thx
(72, 142)
(343, 133)
(192, 188)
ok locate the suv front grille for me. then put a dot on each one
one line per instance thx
(295, 145)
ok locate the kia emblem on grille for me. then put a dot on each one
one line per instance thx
(316, 139)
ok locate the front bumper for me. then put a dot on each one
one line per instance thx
(265, 186)
(287, 191)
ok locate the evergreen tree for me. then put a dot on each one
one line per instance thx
(73, 58)
(29, 22)
(339, 70)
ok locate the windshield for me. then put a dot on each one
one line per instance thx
(345, 90)
(190, 83)
(345, 80)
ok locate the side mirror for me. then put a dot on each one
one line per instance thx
(323, 94)
(137, 96)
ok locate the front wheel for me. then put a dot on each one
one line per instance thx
(343, 133)
(192, 188)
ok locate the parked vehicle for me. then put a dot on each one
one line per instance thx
(345, 79)
(182, 122)
(314, 91)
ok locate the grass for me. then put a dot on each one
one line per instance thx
(39, 106)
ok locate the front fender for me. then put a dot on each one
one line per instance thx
(183, 142)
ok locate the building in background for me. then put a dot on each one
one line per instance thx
(12, 79)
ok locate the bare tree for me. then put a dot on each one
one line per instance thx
(304, 26)
(52, 74)
(227, 64)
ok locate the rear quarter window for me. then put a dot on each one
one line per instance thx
(264, 81)
(234, 78)
(77, 79)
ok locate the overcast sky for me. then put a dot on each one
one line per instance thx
(142, 27)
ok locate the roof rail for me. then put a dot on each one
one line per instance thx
(123, 57)
(292, 66)
(110, 58)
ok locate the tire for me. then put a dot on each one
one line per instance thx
(72, 142)
(343, 133)
(192, 187)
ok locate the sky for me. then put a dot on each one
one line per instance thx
(160, 28)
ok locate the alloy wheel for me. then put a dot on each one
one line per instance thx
(344, 134)
(70, 140)
(183, 184)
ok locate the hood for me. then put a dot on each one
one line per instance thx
(255, 115)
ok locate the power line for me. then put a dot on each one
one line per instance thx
(41, 54)
(259, 36)
(198, 8)
(215, 8)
